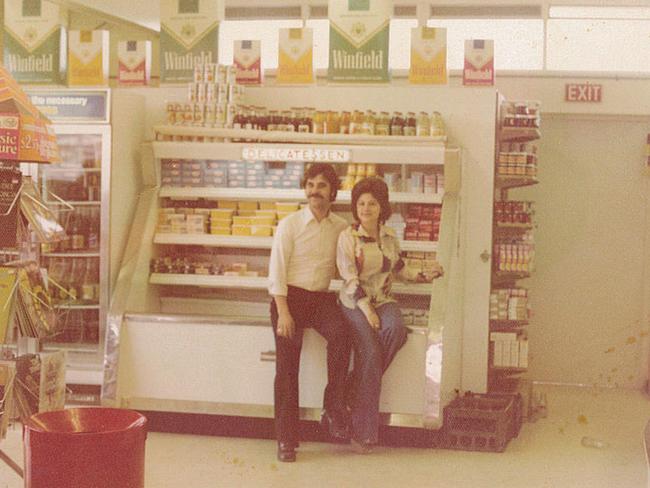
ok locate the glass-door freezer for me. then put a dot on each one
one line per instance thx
(78, 189)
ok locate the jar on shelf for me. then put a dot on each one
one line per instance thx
(422, 125)
(344, 123)
(397, 124)
(356, 122)
(437, 125)
(318, 123)
(382, 126)
(332, 122)
(273, 120)
(369, 121)
(410, 124)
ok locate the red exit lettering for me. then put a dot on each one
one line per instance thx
(583, 92)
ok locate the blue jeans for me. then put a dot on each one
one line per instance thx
(373, 353)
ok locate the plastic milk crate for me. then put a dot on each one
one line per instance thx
(477, 422)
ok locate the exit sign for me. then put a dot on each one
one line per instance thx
(583, 92)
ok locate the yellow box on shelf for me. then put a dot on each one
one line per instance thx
(221, 213)
(220, 231)
(227, 204)
(244, 205)
(262, 220)
(287, 206)
(261, 230)
(240, 220)
(241, 230)
(267, 206)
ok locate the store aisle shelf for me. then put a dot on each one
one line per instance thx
(378, 154)
(504, 182)
(513, 227)
(76, 306)
(277, 194)
(519, 134)
(251, 242)
(507, 370)
(71, 255)
(300, 137)
(507, 324)
(261, 283)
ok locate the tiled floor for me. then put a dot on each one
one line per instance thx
(547, 453)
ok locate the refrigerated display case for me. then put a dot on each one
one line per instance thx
(78, 189)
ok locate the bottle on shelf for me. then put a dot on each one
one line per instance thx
(90, 282)
(76, 279)
(78, 238)
(92, 239)
(90, 326)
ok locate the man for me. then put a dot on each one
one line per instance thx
(303, 262)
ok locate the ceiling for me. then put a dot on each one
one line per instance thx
(147, 13)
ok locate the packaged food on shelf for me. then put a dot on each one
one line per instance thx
(509, 304)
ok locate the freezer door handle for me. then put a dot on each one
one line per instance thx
(267, 356)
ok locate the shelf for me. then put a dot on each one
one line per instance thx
(276, 194)
(213, 240)
(507, 324)
(389, 153)
(92, 306)
(301, 137)
(60, 169)
(71, 255)
(504, 182)
(250, 242)
(75, 204)
(507, 369)
(519, 134)
(511, 275)
(261, 283)
(513, 227)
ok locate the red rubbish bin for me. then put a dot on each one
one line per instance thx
(84, 448)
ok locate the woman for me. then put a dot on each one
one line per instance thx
(368, 257)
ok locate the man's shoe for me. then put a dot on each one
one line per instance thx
(361, 447)
(286, 452)
(336, 425)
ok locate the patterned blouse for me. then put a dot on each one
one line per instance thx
(368, 266)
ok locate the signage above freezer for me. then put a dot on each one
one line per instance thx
(73, 106)
(311, 155)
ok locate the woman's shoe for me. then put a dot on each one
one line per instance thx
(361, 447)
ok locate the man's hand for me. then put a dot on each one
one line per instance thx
(286, 325)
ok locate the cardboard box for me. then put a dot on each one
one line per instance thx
(247, 59)
(88, 53)
(189, 37)
(133, 63)
(35, 41)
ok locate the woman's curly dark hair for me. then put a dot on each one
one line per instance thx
(378, 189)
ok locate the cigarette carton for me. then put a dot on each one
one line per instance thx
(88, 57)
(133, 63)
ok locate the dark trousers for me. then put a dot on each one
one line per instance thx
(319, 311)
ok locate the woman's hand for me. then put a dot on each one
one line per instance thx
(371, 315)
(431, 274)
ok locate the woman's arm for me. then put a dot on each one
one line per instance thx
(346, 263)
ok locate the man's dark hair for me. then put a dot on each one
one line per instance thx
(378, 189)
(328, 172)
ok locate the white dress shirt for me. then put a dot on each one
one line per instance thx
(304, 252)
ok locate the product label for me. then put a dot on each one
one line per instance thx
(247, 59)
(134, 62)
(88, 58)
(428, 55)
(295, 56)
(359, 41)
(34, 41)
(189, 36)
(479, 62)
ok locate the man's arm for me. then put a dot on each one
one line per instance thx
(278, 265)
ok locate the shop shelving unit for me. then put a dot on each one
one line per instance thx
(505, 378)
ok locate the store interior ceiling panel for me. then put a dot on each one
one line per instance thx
(147, 14)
